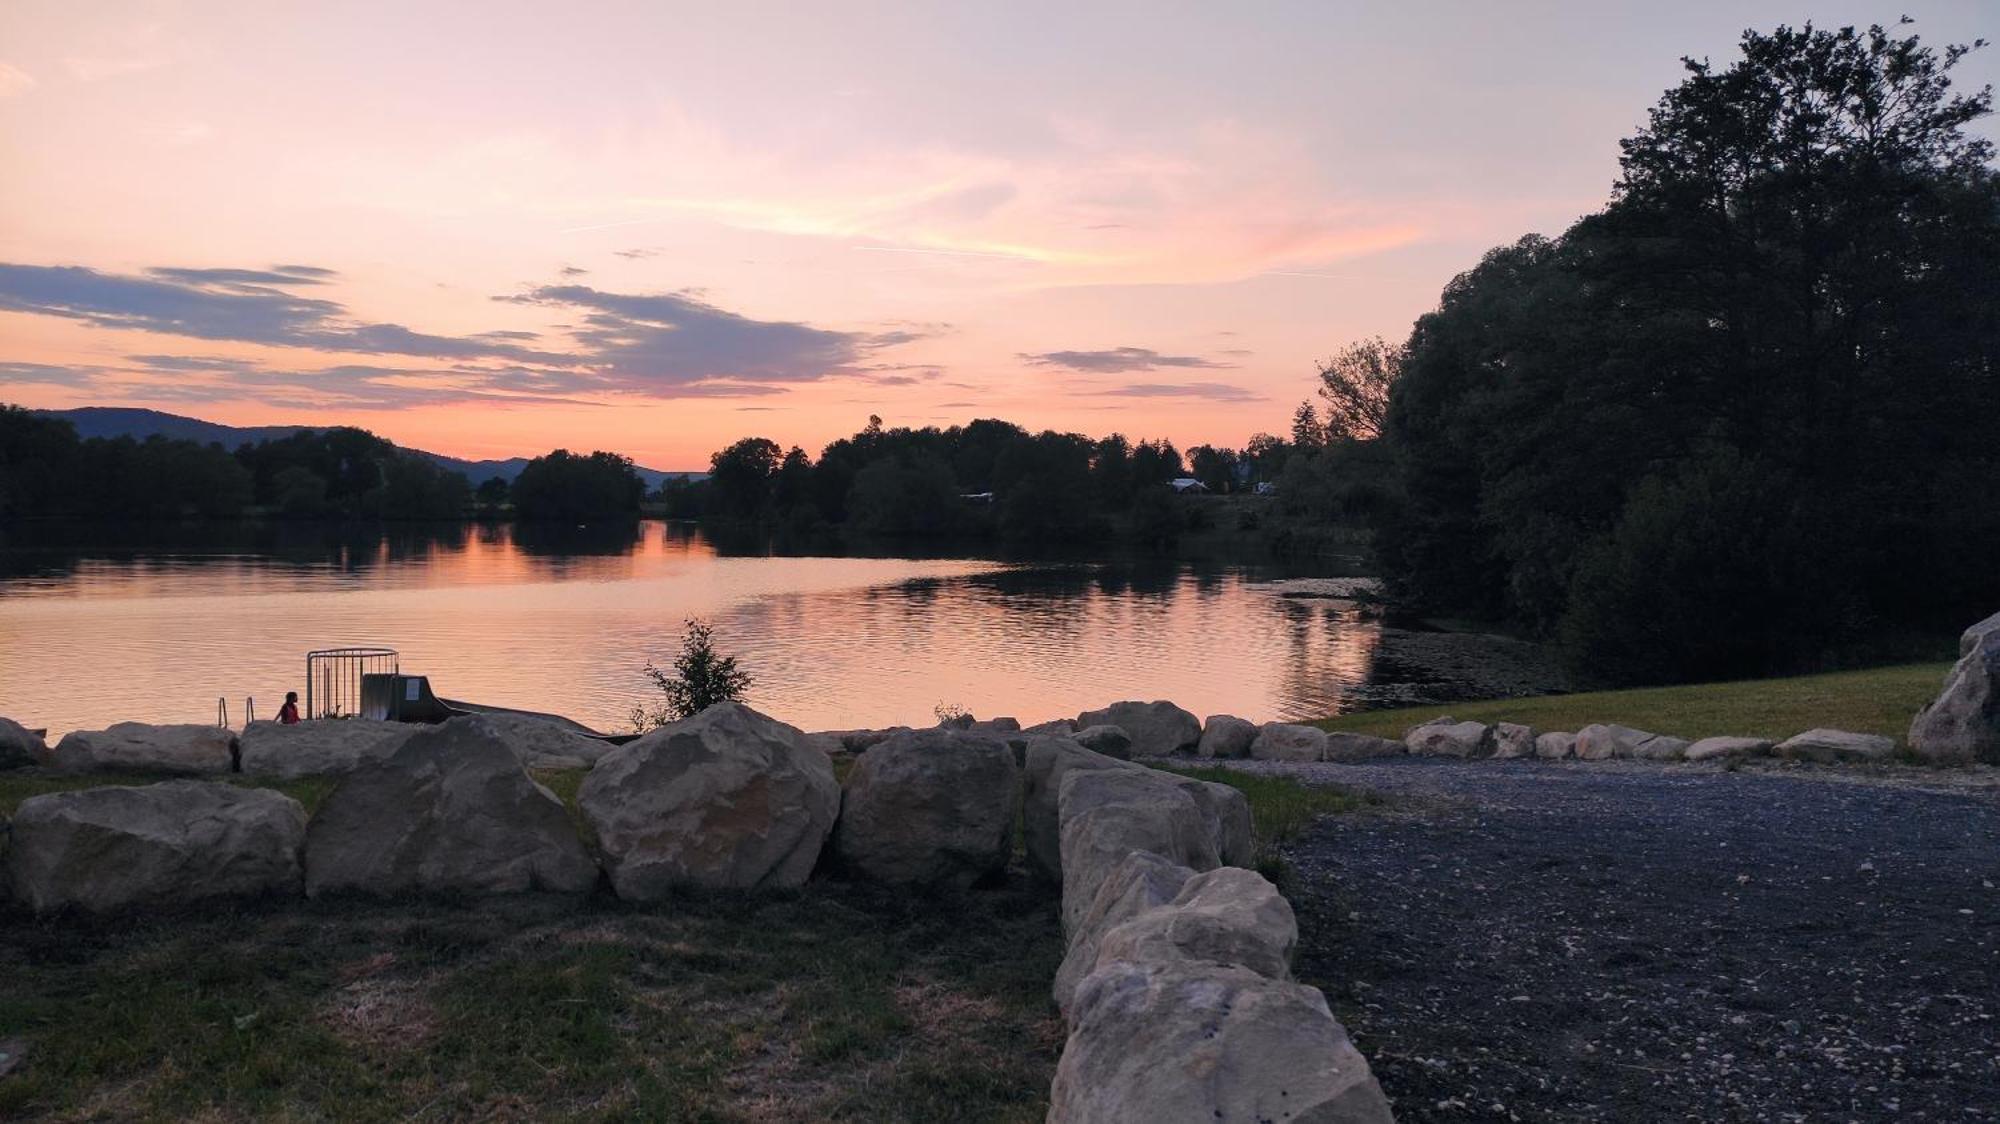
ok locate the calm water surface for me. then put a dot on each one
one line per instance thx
(157, 631)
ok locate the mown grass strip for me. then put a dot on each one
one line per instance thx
(1879, 700)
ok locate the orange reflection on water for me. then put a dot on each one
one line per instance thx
(563, 622)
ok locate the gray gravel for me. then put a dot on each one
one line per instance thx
(1514, 940)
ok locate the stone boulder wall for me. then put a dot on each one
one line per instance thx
(1176, 1040)
(104, 848)
(137, 746)
(1727, 749)
(452, 810)
(931, 807)
(727, 799)
(319, 746)
(1555, 746)
(1963, 723)
(1341, 746)
(20, 746)
(1111, 741)
(1106, 814)
(1140, 882)
(1829, 746)
(1511, 739)
(1157, 729)
(1445, 737)
(1226, 736)
(1225, 812)
(1285, 741)
(1602, 742)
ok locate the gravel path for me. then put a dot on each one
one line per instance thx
(1538, 941)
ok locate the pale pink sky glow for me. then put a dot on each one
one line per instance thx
(489, 229)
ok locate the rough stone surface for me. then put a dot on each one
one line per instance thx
(1728, 749)
(1141, 881)
(1111, 741)
(1511, 739)
(103, 848)
(1179, 1041)
(1836, 745)
(1360, 747)
(1228, 917)
(319, 746)
(452, 810)
(1225, 811)
(1157, 729)
(931, 807)
(1048, 761)
(1556, 745)
(1053, 728)
(191, 749)
(1444, 737)
(1106, 814)
(1963, 723)
(1602, 742)
(1225, 735)
(727, 799)
(541, 744)
(1285, 741)
(19, 747)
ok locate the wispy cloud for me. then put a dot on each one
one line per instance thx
(1115, 359)
(658, 345)
(14, 80)
(1211, 391)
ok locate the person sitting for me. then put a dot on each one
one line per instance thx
(289, 713)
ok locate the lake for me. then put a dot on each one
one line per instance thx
(156, 625)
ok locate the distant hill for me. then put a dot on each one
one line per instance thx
(115, 421)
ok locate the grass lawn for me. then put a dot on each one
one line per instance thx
(837, 1002)
(1880, 700)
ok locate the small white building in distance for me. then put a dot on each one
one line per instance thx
(1187, 486)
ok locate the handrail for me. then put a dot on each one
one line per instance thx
(222, 712)
(249, 710)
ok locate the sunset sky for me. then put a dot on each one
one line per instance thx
(490, 229)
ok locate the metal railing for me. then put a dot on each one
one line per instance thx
(333, 678)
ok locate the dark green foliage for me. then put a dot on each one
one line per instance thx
(701, 678)
(566, 486)
(1736, 421)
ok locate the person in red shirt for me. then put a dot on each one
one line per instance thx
(289, 713)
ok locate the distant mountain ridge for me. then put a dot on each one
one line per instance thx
(119, 421)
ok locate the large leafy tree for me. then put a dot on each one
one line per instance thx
(1779, 337)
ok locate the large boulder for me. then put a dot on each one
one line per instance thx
(544, 744)
(1727, 749)
(1053, 728)
(319, 746)
(930, 807)
(1555, 745)
(1829, 746)
(1963, 723)
(1286, 741)
(1111, 741)
(726, 799)
(1444, 737)
(1048, 761)
(452, 810)
(1342, 746)
(1186, 1041)
(1225, 735)
(1139, 882)
(20, 746)
(1156, 728)
(1603, 741)
(103, 848)
(1511, 739)
(138, 746)
(1225, 811)
(1229, 917)
(1106, 814)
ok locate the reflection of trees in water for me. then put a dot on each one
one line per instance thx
(1330, 652)
(568, 540)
